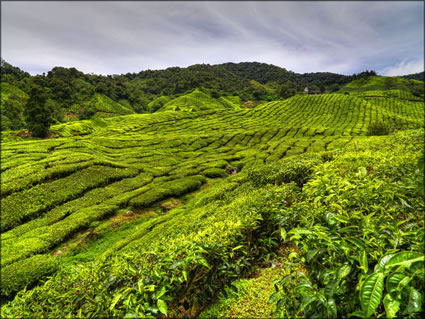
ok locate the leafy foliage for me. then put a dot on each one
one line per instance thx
(360, 251)
(378, 128)
(38, 116)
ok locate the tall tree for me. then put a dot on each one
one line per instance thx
(286, 90)
(37, 113)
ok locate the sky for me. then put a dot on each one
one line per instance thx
(119, 37)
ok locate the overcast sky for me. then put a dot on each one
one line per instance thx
(120, 37)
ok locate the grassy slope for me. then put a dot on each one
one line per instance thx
(102, 106)
(192, 102)
(249, 297)
(148, 158)
(105, 105)
(157, 103)
(380, 83)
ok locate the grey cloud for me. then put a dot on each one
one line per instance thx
(120, 37)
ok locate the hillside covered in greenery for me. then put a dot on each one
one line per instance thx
(72, 95)
(213, 191)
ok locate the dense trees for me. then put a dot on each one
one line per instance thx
(37, 113)
(11, 74)
(286, 90)
(417, 76)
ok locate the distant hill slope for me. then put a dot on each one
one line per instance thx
(74, 95)
(416, 76)
(300, 116)
(384, 83)
(102, 106)
(68, 86)
(198, 101)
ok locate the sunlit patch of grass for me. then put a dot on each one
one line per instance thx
(248, 298)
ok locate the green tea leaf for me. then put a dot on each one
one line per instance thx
(343, 272)
(279, 304)
(363, 262)
(331, 308)
(307, 300)
(283, 233)
(356, 242)
(311, 253)
(162, 306)
(273, 297)
(371, 293)
(342, 218)
(396, 282)
(300, 231)
(362, 172)
(380, 266)
(115, 300)
(357, 313)
(415, 301)
(348, 229)
(392, 305)
(161, 292)
(404, 258)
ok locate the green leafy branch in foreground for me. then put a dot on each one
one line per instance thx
(395, 284)
(350, 258)
(398, 275)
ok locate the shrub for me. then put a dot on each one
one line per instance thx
(21, 206)
(173, 188)
(26, 272)
(286, 171)
(214, 172)
(378, 128)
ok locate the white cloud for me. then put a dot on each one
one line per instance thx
(405, 67)
(121, 37)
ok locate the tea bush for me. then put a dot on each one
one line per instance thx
(378, 128)
(17, 276)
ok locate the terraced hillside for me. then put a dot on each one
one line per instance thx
(93, 192)
(197, 101)
(386, 83)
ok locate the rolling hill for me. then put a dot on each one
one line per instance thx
(193, 102)
(376, 83)
(159, 214)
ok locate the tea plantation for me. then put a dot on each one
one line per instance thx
(137, 215)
